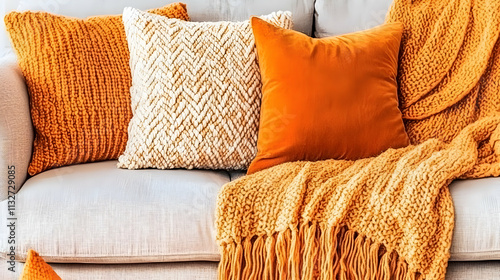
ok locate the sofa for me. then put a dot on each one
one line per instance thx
(95, 221)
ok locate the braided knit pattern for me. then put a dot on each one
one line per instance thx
(78, 76)
(449, 70)
(196, 92)
(36, 268)
(388, 217)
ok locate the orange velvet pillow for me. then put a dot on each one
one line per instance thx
(78, 76)
(36, 268)
(330, 98)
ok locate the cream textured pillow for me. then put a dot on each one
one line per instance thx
(195, 92)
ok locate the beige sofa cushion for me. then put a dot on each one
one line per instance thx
(477, 219)
(96, 213)
(149, 271)
(208, 271)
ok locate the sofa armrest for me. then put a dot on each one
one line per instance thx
(16, 129)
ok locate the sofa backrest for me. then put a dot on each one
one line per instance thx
(199, 10)
(335, 17)
(330, 17)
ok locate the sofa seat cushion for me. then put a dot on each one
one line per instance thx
(477, 219)
(97, 213)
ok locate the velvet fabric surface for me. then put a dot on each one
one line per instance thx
(331, 98)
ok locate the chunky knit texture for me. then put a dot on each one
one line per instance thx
(196, 92)
(36, 268)
(449, 70)
(78, 75)
(388, 217)
(392, 216)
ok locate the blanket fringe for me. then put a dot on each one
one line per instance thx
(308, 252)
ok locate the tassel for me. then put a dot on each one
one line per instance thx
(383, 272)
(401, 269)
(282, 254)
(294, 259)
(373, 260)
(347, 246)
(270, 263)
(247, 256)
(308, 252)
(225, 263)
(359, 258)
(257, 265)
(328, 246)
(237, 262)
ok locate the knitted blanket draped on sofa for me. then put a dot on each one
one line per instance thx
(391, 216)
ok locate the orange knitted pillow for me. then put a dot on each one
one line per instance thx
(36, 268)
(78, 76)
(330, 98)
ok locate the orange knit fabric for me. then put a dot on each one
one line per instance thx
(36, 268)
(385, 217)
(78, 75)
(450, 65)
(390, 216)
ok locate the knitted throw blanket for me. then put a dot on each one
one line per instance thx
(391, 216)
(449, 67)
